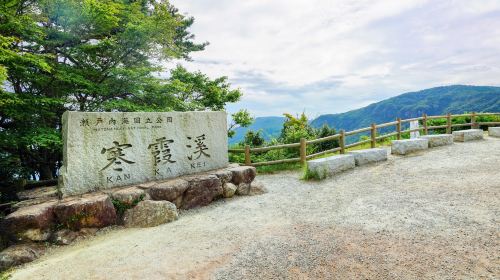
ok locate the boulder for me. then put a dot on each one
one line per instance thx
(367, 156)
(243, 189)
(93, 211)
(403, 147)
(467, 135)
(254, 188)
(243, 174)
(19, 254)
(224, 175)
(30, 223)
(494, 131)
(257, 188)
(128, 195)
(67, 236)
(171, 190)
(328, 166)
(228, 190)
(437, 140)
(150, 213)
(202, 190)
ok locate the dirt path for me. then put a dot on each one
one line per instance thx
(433, 215)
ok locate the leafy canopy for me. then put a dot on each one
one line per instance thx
(90, 55)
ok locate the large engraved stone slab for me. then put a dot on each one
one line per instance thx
(105, 150)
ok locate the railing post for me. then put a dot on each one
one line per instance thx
(373, 135)
(248, 161)
(448, 123)
(303, 151)
(424, 122)
(398, 128)
(473, 120)
(342, 141)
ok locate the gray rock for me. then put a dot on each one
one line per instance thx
(66, 236)
(94, 210)
(202, 190)
(224, 175)
(243, 189)
(171, 190)
(243, 174)
(128, 195)
(437, 140)
(494, 131)
(362, 157)
(149, 213)
(257, 188)
(19, 254)
(403, 147)
(229, 189)
(30, 223)
(467, 135)
(329, 166)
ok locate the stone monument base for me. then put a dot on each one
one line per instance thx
(45, 218)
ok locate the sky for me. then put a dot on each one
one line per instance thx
(324, 57)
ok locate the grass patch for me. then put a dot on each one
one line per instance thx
(310, 175)
(121, 207)
(270, 169)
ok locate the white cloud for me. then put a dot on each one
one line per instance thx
(332, 56)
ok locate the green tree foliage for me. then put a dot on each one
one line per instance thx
(253, 139)
(241, 118)
(325, 131)
(295, 128)
(89, 55)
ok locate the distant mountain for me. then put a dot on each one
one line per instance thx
(433, 101)
(270, 126)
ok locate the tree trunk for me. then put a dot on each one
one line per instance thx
(45, 172)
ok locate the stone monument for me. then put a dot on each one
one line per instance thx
(104, 150)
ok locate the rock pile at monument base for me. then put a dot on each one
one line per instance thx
(60, 222)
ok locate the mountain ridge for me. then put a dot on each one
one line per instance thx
(453, 99)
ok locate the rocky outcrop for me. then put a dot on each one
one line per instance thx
(201, 191)
(87, 211)
(171, 190)
(67, 236)
(30, 223)
(243, 174)
(149, 213)
(19, 254)
(229, 189)
(61, 222)
(128, 195)
(254, 188)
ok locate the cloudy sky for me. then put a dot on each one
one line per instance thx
(333, 56)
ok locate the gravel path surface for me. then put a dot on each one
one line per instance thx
(432, 215)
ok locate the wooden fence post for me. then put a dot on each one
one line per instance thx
(303, 151)
(248, 161)
(342, 141)
(448, 123)
(473, 121)
(373, 135)
(398, 128)
(424, 122)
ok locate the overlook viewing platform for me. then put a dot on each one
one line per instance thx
(430, 214)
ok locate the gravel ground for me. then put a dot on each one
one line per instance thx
(431, 215)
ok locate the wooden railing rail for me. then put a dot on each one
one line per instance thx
(373, 137)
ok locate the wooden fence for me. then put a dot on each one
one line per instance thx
(373, 129)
